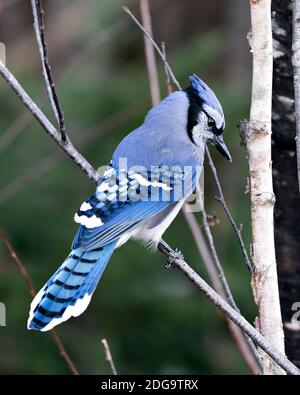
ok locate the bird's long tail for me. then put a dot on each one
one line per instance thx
(69, 290)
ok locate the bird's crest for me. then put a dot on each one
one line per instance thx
(207, 96)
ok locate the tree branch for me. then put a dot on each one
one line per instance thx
(221, 200)
(167, 74)
(61, 349)
(240, 321)
(108, 356)
(39, 28)
(127, 10)
(46, 124)
(219, 282)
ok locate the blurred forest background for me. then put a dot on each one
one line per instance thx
(155, 321)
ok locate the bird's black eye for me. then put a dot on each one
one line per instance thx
(210, 122)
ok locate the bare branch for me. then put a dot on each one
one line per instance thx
(127, 10)
(39, 28)
(221, 199)
(149, 52)
(240, 321)
(244, 343)
(46, 124)
(18, 263)
(108, 356)
(167, 74)
(217, 262)
(296, 72)
(32, 293)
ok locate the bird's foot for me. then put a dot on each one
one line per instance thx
(176, 254)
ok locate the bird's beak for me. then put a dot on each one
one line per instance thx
(221, 147)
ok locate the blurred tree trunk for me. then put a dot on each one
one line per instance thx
(287, 207)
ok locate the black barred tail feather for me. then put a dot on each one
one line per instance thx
(69, 290)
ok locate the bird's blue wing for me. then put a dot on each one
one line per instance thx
(119, 205)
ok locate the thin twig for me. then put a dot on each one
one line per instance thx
(239, 320)
(149, 52)
(108, 356)
(63, 353)
(217, 261)
(39, 28)
(167, 74)
(127, 10)
(61, 349)
(221, 199)
(18, 263)
(296, 73)
(46, 124)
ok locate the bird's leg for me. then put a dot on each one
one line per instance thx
(173, 256)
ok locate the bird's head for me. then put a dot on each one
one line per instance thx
(206, 120)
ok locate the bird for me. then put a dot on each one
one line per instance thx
(152, 172)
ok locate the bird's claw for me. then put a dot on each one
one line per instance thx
(177, 254)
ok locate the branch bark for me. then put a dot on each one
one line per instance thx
(108, 356)
(39, 28)
(240, 321)
(256, 135)
(47, 125)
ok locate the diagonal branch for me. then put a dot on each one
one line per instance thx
(127, 10)
(239, 320)
(46, 124)
(39, 28)
(61, 349)
(108, 356)
(221, 199)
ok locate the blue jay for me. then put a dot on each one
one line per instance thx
(152, 171)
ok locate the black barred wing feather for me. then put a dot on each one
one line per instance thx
(125, 200)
